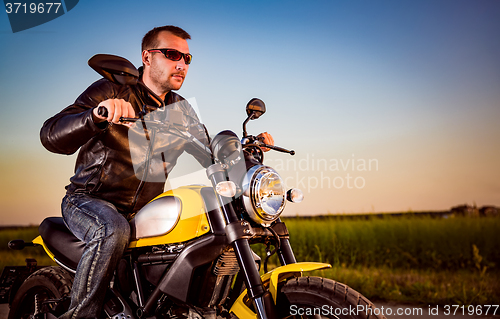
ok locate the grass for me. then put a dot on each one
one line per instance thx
(423, 287)
(412, 258)
(415, 259)
(411, 242)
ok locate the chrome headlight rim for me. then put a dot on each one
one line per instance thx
(252, 185)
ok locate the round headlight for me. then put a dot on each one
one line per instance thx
(265, 194)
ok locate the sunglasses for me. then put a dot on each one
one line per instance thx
(174, 55)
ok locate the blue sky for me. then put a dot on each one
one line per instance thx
(412, 84)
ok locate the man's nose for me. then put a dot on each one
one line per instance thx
(181, 65)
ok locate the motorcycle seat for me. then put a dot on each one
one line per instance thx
(67, 249)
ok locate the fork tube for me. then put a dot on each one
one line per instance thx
(263, 304)
(285, 253)
(262, 299)
(247, 265)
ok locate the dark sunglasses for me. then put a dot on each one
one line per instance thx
(174, 55)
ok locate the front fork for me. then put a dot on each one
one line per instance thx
(238, 233)
(262, 299)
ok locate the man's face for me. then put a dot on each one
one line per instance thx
(165, 74)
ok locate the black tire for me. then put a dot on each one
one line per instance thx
(315, 297)
(47, 283)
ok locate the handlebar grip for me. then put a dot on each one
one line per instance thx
(279, 149)
(102, 111)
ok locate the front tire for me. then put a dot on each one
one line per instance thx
(47, 283)
(315, 297)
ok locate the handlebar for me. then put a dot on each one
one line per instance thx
(178, 130)
(102, 111)
(279, 149)
(260, 144)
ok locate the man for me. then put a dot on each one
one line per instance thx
(106, 186)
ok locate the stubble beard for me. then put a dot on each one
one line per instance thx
(163, 81)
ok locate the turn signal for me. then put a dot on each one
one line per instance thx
(226, 189)
(295, 195)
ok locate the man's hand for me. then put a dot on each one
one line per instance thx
(267, 139)
(116, 108)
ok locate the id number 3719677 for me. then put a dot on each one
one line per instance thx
(452, 310)
(19, 7)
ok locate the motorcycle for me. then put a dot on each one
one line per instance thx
(190, 253)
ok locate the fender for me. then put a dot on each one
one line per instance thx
(272, 279)
(39, 241)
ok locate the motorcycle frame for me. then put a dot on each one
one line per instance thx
(226, 230)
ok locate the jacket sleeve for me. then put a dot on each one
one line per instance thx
(67, 131)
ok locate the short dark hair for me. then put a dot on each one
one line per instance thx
(150, 40)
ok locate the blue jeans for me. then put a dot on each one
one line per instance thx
(106, 233)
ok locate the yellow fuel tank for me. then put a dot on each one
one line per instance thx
(175, 216)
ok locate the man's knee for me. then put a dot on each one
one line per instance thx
(119, 230)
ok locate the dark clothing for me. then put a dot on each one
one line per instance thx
(126, 167)
(118, 170)
(106, 234)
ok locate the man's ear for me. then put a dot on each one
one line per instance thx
(146, 58)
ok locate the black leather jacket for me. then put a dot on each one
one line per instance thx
(125, 166)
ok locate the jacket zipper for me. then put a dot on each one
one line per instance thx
(146, 166)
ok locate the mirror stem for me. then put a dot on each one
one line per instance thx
(245, 124)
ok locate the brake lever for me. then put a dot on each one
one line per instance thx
(277, 148)
(260, 144)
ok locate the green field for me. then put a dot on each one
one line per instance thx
(403, 242)
(409, 258)
(418, 259)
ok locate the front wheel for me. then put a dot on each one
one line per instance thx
(315, 297)
(46, 283)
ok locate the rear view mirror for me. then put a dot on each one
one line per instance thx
(255, 108)
(114, 68)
